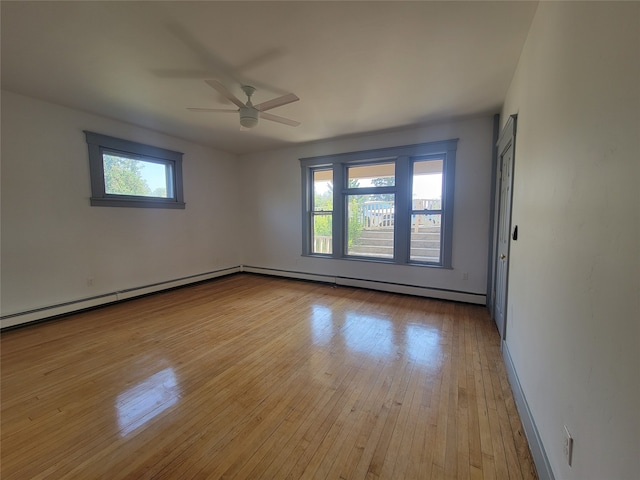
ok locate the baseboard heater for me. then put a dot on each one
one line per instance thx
(15, 319)
(51, 311)
(431, 292)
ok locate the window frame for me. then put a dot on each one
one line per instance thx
(99, 145)
(404, 158)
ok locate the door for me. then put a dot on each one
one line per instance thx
(506, 146)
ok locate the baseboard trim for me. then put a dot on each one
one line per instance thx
(439, 293)
(533, 437)
(52, 311)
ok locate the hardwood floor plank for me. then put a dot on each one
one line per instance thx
(253, 377)
(475, 442)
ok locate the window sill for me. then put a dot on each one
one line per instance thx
(377, 260)
(142, 203)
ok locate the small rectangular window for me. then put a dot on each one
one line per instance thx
(322, 212)
(375, 175)
(426, 211)
(130, 174)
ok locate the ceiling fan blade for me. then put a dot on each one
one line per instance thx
(181, 73)
(276, 118)
(223, 90)
(215, 66)
(207, 58)
(218, 110)
(261, 59)
(277, 102)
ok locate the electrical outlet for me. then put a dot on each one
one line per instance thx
(90, 282)
(567, 445)
(465, 275)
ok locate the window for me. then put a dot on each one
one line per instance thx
(426, 211)
(322, 211)
(370, 197)
(391, 205)
(130, 174)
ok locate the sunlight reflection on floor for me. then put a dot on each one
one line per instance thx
(142, 402)
(423, 344)
(375, 336)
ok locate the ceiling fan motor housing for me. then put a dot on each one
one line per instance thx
(249, 116)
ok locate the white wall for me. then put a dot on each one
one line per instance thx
(573, 327)
(53, 240)
(272, 225)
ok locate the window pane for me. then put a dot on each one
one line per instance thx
(130, 176)
(322, 234)
(322, 190)
(370, 222)
(425, 238)
(377, 175)
(427, 185)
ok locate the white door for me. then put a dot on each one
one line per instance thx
(505, 162)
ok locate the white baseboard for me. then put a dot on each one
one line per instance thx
(84, 303)
(443, 294)
(533, 437)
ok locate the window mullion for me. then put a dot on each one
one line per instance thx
(370, 190)
(448, 173)
(169, 180)
(402, 219)
(307, 213)
(426, 212)
(339, 209)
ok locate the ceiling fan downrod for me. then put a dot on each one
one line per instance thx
(249, 114)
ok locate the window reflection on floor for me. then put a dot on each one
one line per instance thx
(368, 334)
(142, 402)
(375, 335)
(321, 324)
(423, 344)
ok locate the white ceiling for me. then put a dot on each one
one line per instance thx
(356, 66)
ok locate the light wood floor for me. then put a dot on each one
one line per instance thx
(254, 377)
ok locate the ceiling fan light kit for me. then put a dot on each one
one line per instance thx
(249, 117)
(249, 113)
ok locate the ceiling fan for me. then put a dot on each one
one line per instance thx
(250, 113)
